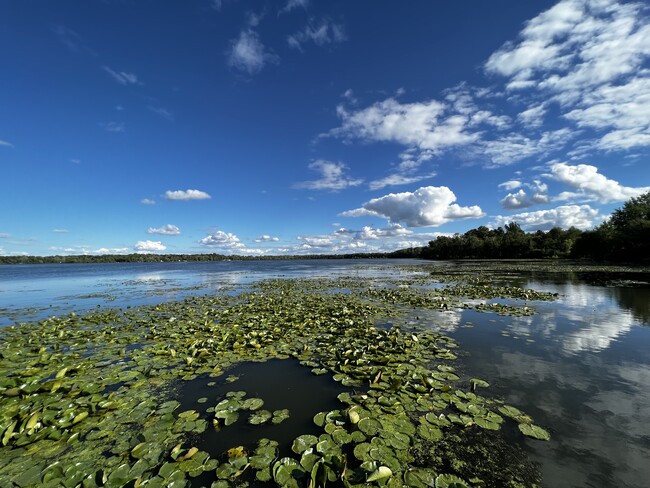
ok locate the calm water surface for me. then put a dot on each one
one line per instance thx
(580, 366)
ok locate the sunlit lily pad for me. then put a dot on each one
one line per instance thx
(534, 431)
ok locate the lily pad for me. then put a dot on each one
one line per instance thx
(534, 431)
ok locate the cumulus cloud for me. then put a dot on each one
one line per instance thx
(248, 54)
(5, 143)
(149, 246)
(591, 184)
(186, 195)
(367, 239)
(429, 206)
(579, 216)
(522, 199)
(147, 201)
(333, 177)
(165, 230)
(325, 32)
(537, 194)
(221, 239)
(267, 238)
(510, 185)
(122, 77)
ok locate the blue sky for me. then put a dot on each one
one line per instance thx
(296, 126)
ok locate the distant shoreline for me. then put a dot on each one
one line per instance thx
(171, 258)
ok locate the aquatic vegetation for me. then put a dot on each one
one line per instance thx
(92, 399)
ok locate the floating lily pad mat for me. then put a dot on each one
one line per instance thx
(133, 397)
(280, 384)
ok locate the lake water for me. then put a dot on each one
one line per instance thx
(580, 366)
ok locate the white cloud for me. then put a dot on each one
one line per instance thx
(122, 77)
(5, 143)
(266, 238)
(591, 184)
(113, 250)
(4, 235)
(149, 246)
(333, 177)
(75, 161)
(221, 239)
(59, 231)
(510, 185)
(398, 179)
(147, 201)
(532, 117)
(165, 230)
(579, 216)
(422, 125)
(325, 32)
(248, 54)
(163, 112)
(515, 147)
(537, 195)
(186, 195)
(429, 206)
(590, 57)
(521, 199)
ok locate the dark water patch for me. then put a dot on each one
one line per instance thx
(281, 384)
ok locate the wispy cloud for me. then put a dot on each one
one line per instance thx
(6, 143)
(186, 195)
(114, 127)
(248, 54)
(4, 235)
(72, 40)
(165, 230)
(122, 77)
(429, 206)
(75, 161)
(163, 112)
(147, 201)
(398, 179)
(60, 231)
(321, 33)
(292, 4)
(332, 178)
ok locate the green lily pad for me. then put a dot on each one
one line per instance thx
(304, 442)
(534, 431)
(260, 417)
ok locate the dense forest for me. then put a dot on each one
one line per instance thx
(625, 236)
